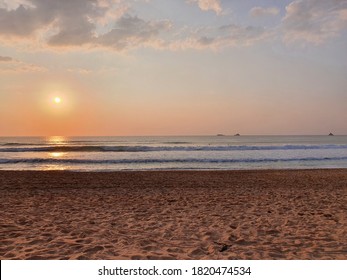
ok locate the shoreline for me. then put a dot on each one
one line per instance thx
(234, 214)
(180, 170)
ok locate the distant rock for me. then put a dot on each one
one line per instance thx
(330, 134)
(237, 134)
(220, 135)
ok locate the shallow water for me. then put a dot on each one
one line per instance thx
(179, 153)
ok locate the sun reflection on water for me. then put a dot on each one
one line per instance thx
(53, 141)
(56, 140)
(56, 154)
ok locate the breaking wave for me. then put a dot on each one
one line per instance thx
(158, 161)
(166, 148)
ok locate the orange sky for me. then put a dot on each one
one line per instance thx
(187, 68)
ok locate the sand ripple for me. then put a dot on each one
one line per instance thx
(174, 215)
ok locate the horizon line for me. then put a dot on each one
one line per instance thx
(172, 135)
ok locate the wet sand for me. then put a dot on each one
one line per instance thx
(287, 214)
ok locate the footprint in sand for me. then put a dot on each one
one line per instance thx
(197, 253)
(94, 249)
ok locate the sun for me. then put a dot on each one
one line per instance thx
(57, 100)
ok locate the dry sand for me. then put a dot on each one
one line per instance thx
(174, 215)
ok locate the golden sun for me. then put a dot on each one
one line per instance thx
(57, 100)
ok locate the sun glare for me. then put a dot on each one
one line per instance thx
(57, 100)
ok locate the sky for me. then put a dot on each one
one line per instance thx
(174, 67)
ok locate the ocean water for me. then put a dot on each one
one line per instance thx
(173, 153)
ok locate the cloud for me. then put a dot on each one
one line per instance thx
(130, 31)
(82, 71)
(314, 21)
(208, 5)
(10, 65)
(14, 4)
(66, 23)
(112, 24)
(5, 58)
(72, 32)
(114, 9)
(22, 21)
(230, 35)
(262, 12)
(73, 22)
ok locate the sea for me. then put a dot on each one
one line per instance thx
(172, 153)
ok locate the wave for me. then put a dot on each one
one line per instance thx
(91, 148)
(46, 144)
(158, 161)
(176, 142)
(22, 144)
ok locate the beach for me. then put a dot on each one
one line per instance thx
(268, 214)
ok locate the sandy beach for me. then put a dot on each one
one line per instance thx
(278, 214)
